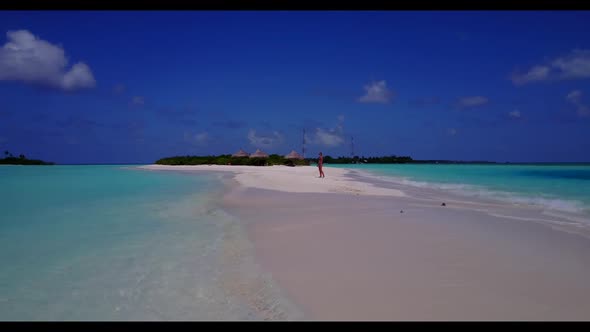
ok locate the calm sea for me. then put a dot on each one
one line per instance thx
(116, 243)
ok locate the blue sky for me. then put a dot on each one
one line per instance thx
(126, 87)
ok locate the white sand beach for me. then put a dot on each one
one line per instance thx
(349, 248)
(301, 179)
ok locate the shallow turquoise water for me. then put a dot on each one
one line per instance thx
(110, 243)
(559, 187)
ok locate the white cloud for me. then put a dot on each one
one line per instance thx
(514, 114)
(537, 73)
(328, 137)
(27, 58)
(575, 97)
(138, 100)
(473, 101)
(452, 131)
(264, 140)
(377, 92)
(202, 137)
(575, 65)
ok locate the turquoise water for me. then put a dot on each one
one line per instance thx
(118, 243)
(111, 243)
(559, 187)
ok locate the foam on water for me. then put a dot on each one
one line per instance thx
(559, 188)
(512, 197)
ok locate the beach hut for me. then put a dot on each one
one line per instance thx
(240, 154)
(294, 155)
(259, 154)
(260, 157)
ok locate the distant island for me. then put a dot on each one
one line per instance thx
(275, 159)
(21, 160)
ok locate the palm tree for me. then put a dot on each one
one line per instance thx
(22, 156)
(6, 153)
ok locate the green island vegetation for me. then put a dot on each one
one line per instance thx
(227, 159)
(275, 159)
(21, 160)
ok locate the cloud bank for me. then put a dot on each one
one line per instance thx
(329, 137)
(514, 114)
(575, 98)
(574, 65)
(29, 59)
(377, 92)
(264, 140)
(472, 101)
(199, 138)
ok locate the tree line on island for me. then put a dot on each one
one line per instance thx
(275, 159)
(10, 159)
(228, 159)
(242, 158)
(259, 159)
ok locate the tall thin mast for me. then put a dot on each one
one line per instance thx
(303, 144)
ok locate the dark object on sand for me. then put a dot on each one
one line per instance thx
(443, 204)
(402, 211)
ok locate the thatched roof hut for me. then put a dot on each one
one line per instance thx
(259, 154)
(294, 155)
(240, 154)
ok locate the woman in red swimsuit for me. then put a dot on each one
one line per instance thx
(320, 164)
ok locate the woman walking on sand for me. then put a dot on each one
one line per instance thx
(320, 164)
